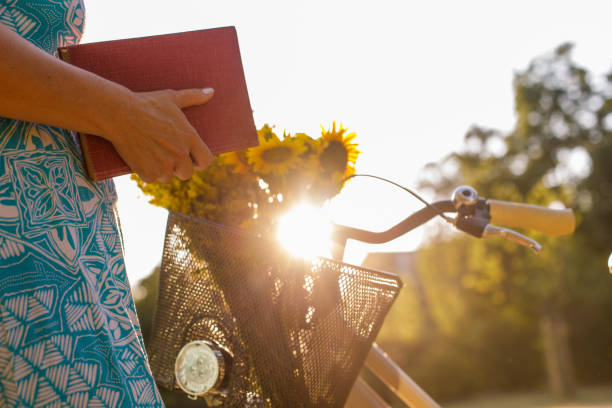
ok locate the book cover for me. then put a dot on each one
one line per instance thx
(193, 59)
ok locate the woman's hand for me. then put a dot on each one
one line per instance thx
(154, 137)
(148, 129)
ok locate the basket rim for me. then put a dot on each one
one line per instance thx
(249, 235)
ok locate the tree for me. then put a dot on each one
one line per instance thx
(558, 152)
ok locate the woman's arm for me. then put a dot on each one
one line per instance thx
(148, 129)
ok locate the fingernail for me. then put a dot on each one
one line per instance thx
(208, 91)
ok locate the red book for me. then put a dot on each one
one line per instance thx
(194, 59)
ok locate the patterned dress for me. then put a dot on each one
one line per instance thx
(69, 334)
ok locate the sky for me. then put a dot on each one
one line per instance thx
(408, 77)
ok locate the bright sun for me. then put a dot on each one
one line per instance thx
(305, 232)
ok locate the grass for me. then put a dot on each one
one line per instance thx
(592, 397)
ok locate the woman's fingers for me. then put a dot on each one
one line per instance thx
(166, 178)
(190, 97)
(183, 167)
(200, 156)
(157, 141)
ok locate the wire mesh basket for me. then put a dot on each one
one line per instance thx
(299, 331)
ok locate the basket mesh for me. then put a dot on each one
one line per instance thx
(299, 330)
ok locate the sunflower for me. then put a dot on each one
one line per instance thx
(338, 155)
(310, 145)
(274, 156)
(237, 161)
(311, 149)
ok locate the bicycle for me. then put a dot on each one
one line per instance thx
(241, 323)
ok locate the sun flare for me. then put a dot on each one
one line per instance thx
(305, 232)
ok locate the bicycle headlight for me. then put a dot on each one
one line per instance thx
(199, 368)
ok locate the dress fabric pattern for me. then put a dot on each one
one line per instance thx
(69, 334)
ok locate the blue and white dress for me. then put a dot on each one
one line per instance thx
(69, 334)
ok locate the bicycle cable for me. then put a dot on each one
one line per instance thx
(418, 197)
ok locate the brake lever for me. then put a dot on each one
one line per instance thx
(473, 217)
(495, 231)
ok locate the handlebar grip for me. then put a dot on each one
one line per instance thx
(528, 216)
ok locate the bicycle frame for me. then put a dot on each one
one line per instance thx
(385, 369)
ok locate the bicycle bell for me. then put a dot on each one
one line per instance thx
(200, 368)
(464, 195)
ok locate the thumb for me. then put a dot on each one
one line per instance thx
(189, 97)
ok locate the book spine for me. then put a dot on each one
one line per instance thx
(87, 157)
(64, 55)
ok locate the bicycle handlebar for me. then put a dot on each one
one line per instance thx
(546, 220)
(475, 216)
(342, 232)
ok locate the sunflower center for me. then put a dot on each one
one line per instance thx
(277, 154)
(334, 157)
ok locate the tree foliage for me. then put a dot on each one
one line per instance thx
(559, 153)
